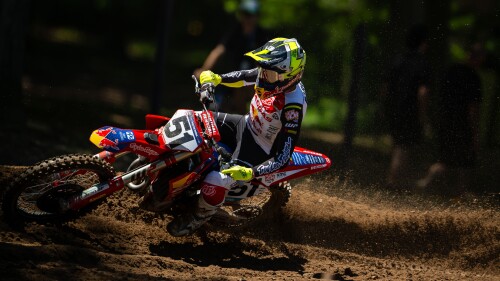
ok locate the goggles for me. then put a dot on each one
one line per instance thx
(270, 83)
(269, 76)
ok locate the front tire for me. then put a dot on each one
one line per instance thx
(36, 194)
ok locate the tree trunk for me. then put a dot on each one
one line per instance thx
(403, 15)
(164, 20)
(13, 16)
(438, 18)
(353, 98)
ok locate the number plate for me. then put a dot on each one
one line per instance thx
(180, 133)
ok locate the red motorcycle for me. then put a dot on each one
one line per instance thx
(173, 157)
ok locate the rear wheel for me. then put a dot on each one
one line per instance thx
(263, 206)
(36, 195)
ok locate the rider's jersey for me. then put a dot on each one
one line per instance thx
(274, 122)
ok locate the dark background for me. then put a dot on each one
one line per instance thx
(69, 67)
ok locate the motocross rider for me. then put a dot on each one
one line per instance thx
(266, 136)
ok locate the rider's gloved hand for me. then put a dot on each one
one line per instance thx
(239, 173)
(208, 76)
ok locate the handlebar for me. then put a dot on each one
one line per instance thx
(205, 92)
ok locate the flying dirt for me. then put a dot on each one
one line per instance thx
(331, 229)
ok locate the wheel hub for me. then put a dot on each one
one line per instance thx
(50, 201)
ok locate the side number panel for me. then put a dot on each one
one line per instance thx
(244, 191)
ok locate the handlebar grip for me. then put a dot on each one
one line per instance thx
(207, 93)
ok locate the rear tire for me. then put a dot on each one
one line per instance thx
(36, 193)
(281, 194)
(250, 211)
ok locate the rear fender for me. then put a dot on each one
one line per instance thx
(303, 162)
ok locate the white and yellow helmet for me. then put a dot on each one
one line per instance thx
(281, 63)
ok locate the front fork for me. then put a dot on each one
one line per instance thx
(104, 189)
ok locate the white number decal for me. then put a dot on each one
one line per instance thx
(179, 133)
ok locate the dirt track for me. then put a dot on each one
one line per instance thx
(330, 229)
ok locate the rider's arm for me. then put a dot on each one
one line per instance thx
(239, 78)
(291, 118)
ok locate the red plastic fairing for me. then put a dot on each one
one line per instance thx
(155, 121)
(142, 147)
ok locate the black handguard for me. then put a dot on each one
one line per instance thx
(207, 93)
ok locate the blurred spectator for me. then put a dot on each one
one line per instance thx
(458, 126)
(244, 37)
(407, 95)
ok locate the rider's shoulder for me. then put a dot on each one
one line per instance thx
(298, 95)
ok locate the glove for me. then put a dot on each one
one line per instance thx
(208, 76)
(239, 173)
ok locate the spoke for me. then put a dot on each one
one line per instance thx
(28, 199)
(258, 200)
(241, 208)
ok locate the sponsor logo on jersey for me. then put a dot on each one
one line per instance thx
(292, 115)
(271, 131)
(282, 160)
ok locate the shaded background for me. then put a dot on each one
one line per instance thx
(69, 67)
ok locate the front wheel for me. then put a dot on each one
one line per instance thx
(36, 195)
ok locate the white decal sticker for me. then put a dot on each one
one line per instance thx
(140, 148)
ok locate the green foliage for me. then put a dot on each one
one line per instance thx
(66, 35)
(327, 113)
(457, 52)
(231, 6)
(128, 29)
(142, 50)
(330, 114)
(102, 4)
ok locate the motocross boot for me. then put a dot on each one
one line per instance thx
(188, 223)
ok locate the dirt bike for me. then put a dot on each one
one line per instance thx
(173, 157)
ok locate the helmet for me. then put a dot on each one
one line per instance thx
(281, 63)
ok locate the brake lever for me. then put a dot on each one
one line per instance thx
(196, 85)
